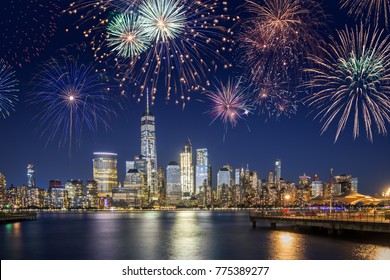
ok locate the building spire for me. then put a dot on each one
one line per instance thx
(147, 101)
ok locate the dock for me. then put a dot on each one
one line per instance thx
(333, 222)
(17, 217)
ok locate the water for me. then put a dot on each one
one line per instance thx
(175, 235)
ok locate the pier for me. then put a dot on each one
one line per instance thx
(17, 217)
(335, 222)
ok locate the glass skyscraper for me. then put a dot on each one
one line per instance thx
(187, 171)
(173, 182)
(278, 171)
(201, 169)
(148, 149)
(105, 172)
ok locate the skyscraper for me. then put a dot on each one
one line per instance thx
(187, 171)
(278, 171)
(201, 169)
(148, 149)
(30, 176)
(173, 182)
(105, 172)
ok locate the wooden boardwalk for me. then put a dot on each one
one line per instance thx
(335, 222)
(17, 217)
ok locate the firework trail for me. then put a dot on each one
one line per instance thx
(72, 99)
(352, 81)
(27, 26)
(229, 103)
(366, 9)
(8, 87)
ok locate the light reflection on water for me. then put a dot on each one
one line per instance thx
(173, 235)
(286, 246)
(185, 236)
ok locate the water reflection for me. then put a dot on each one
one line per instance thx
(286, 246)
(185, 237)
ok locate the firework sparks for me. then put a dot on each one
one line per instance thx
(352, 80)
(8, 87)
(230, 103)
(72, 99)
(128, 37)
(379, 9)
(278, 36)
(27, 26)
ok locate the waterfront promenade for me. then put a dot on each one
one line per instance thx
(335, 222)
(17, 217)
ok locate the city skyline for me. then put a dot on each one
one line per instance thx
(257, 140)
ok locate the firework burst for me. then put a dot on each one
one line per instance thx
(379, 9)
(72, 99)
(8, 87)
(275, 100)
(186, 42)
(278, 36)
(230, 103)
(27, 26)
(128, 37)
(164, 20)
(352, 81)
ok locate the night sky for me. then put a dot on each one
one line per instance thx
(296, 141)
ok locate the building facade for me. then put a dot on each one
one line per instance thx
(201, 169)
(187, 171)
(148, 149)
(105, 172)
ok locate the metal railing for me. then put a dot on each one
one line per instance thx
(380, 217)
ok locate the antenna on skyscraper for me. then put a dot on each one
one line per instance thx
(147, 101)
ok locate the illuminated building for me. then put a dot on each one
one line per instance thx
(134, 192)
(344, 183)
(173, 193)
(148, 149)
(201, 169)
(3, 183)
(105, 172)
(187, 171)
(278, 171)
(317, 188)
(237, 176)
(162, 185)
(76, 193)
(30, 176)
(271, 178)
(58, 198)
(354, 184)
(139, 163)
(224, 179)
(35, 197)
(92, 194)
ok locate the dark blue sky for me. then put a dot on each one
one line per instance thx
(296, 141)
